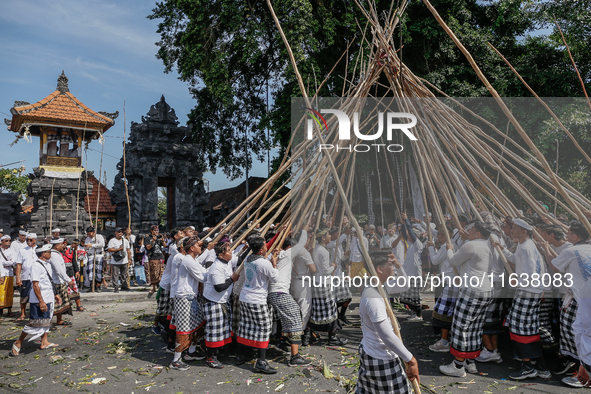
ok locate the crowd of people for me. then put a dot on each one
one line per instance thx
(520, 276)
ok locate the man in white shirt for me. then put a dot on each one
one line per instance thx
(342, 294)
(472, 260)
(413, 267)
(188, 313)
(523, 319)
(356, 257)
(254, 329)
(446, 302)
(22, 271)
(324, 315)
(62, 281)
(285, 306)
(303, 267)
(393, 240)
(380, 351)
(575, 263)
(7, 261)
(94, 245)
(216, 307)
(20, 242)
(42, 299)
(120, 258)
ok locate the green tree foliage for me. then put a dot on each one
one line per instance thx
(13, 181)
(230, 52)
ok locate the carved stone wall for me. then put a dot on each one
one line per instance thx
(12, 217)
(67, 203)
(159, 148)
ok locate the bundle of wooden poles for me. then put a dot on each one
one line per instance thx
(448, 155)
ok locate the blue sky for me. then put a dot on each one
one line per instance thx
(107, 51)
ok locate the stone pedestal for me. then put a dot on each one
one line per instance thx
(160, 154)
(68, 195)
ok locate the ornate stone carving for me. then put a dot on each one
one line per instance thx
(158, 148)
(110, 115)
(62, 161)
(62, 83)
(161, 112)
(7, 122)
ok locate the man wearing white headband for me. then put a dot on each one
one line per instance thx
(62, 281)
(94, 245)
(55, 233)
(471, 260)
(25, 259)
(42, 299)
(575, 262)
(19, 243)
(529, 265)
(7, 259)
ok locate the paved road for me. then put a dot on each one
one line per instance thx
(110, 349)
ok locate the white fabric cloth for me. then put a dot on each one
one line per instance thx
(175, 263)
(26, 257)
(558, 249)
(528, 261)
(95, 245)
(398, 251)
(356, 256)
(40, 274)
(473, 260)
(412, 261)
(575, 260)
(58, 267)
(582, 324)
(285, 265)
(8, 260)
(379, 340)
(497, 267)
(301, 264)
(321, 257)
(166, 279)
(115, 243)
(218, 273)
(440, 258)
(258, 274)
(18, 245)
(190, 274)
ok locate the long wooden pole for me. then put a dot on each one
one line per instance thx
(337, 181)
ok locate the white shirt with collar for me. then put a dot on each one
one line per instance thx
(8, 259)
(26, 257)
(41, 272)
(58, 267)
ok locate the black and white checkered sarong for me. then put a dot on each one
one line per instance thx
(546, 309)
(289, 313)
(342, 293)
(412, 296)
(468, 321)
(187, 316)
(255, 324)
(524, 315)
(380, 376)
(218, 323)
(163, 303)
(568, 313)
(446, 302)
(324, 311)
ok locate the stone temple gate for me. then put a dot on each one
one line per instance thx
(160, 153)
